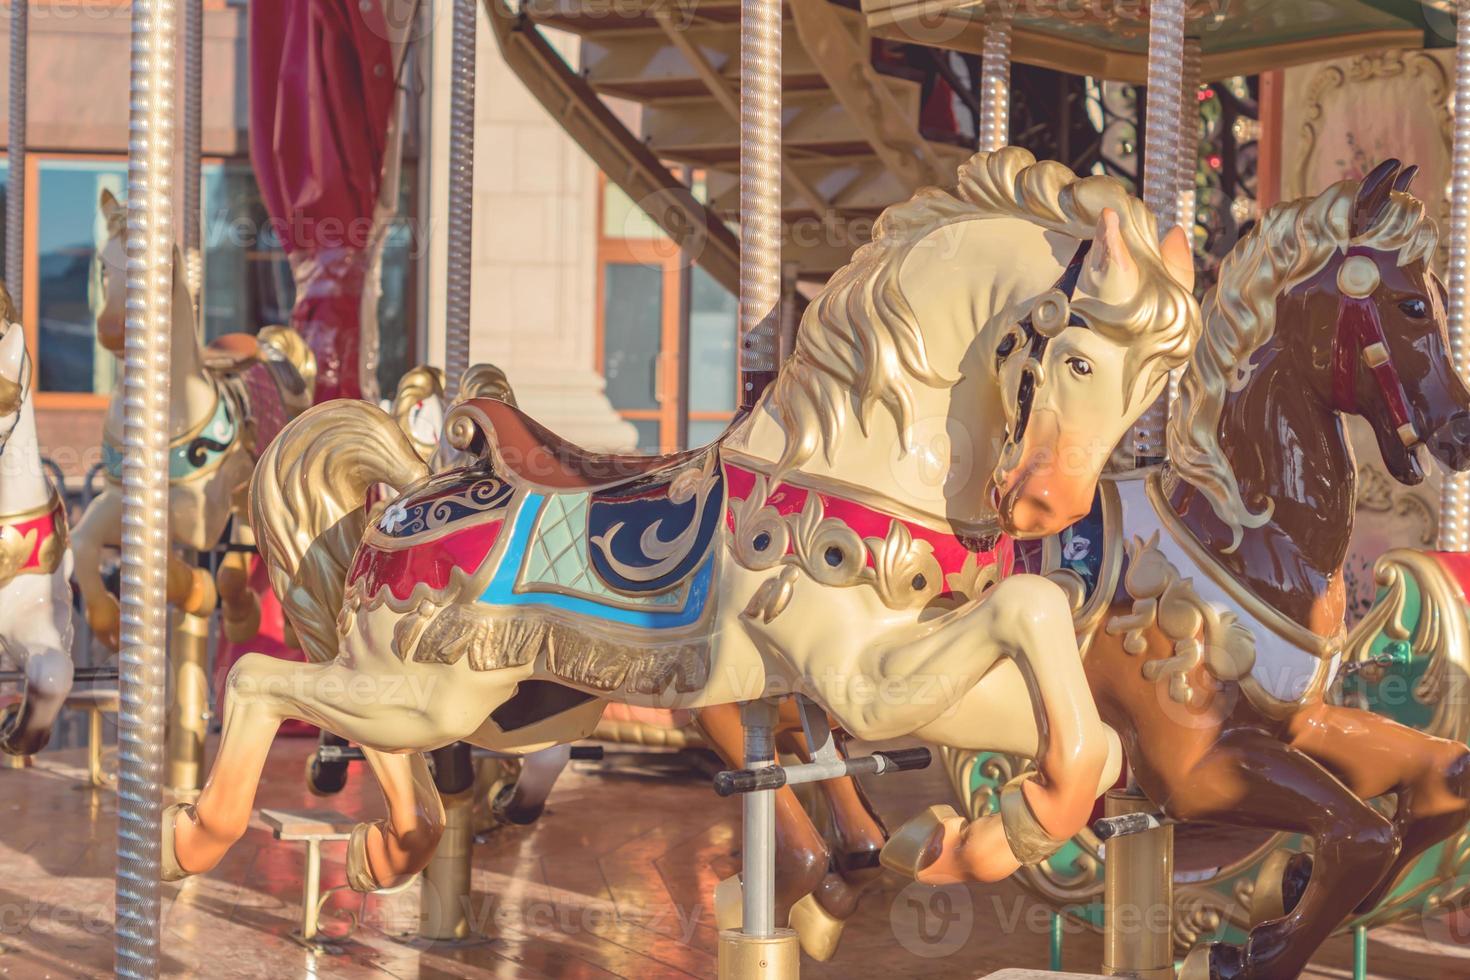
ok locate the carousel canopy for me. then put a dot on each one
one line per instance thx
(1109, 38)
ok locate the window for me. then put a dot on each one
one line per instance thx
(70, 230)
(247, 278)
(640, 338)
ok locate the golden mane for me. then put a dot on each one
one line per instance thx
(1290, 244)
(859, 339)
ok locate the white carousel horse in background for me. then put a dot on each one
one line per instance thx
(962, 380)
(225, 402)
(35, 564)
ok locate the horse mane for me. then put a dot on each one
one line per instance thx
(860, 342)
(1290, 244)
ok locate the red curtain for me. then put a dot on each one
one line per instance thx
(321, 96)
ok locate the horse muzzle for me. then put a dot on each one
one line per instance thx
(1450, 443)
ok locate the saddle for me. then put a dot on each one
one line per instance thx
(647, 522)
(527, 450)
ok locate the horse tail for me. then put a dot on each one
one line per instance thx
(308, 505)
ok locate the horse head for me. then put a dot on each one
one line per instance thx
(209, 462)
(112, 270)
(1073, 383)
(1389, 355)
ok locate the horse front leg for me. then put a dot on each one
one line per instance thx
(99, 528)
(1033, 701)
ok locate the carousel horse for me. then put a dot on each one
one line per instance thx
(1210, 643)
(226, 401)
(1216, 599)
(962, 381)
(35, 563)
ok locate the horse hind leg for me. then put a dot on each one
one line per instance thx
(389, 851)
(1251, 780)
(1374, 755)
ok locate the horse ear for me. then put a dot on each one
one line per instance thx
(1178, 256)
(1405, 178)
(1111, 272)
(108, 203)
(1372, 196)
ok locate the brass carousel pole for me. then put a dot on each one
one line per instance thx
(444, 901)
(995, 81)
(188, 650)
(1454, 503)
(1139, 871)
(142, 660)
(15, 192)
(1161, 149)
(758, 949)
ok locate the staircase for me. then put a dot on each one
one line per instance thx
(658, 90)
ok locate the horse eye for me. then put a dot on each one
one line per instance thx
(1006, 348)
(1415, 308)
(1079, 366)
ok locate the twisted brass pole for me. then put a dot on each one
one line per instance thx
(1454, 501)
(15, 192)
(1161, 170)
(145, 486)
(193, 122)
(995, 82)
(461, 196)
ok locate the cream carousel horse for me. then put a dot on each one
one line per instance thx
(35, 563)
(962, 380)
(226, 401)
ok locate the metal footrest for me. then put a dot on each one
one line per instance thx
(313, 827)
(731, 782)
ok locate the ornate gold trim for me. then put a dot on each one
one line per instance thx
(1025, 836)
(1297, 635)
(861, 495)
(1166, 602)
(16, 549)
(1381, 62)
(904, 571)
(1441, 634)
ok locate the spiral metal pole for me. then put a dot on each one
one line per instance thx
(1188, 163)
(995, 82)
(193, 122)
(461, 196)
(1187, 160)
(1161, 170)
(15, 194)
(1454, 501)
(142, 663)
(760, 195)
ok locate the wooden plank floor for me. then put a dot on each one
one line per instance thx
(614, 881)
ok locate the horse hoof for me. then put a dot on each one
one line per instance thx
(169, 867)
(918, 843)
(817, 930)
(502, 809)
(325, 778)
(359, 872)
(1212, 961)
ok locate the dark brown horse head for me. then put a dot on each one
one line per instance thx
(1389, 358)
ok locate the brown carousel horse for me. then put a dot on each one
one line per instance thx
(1215, 655)
(1212, 638)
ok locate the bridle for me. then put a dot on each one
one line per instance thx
(1360, 336)
(1048, 317)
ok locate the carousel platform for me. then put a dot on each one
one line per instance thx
(614, 881)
